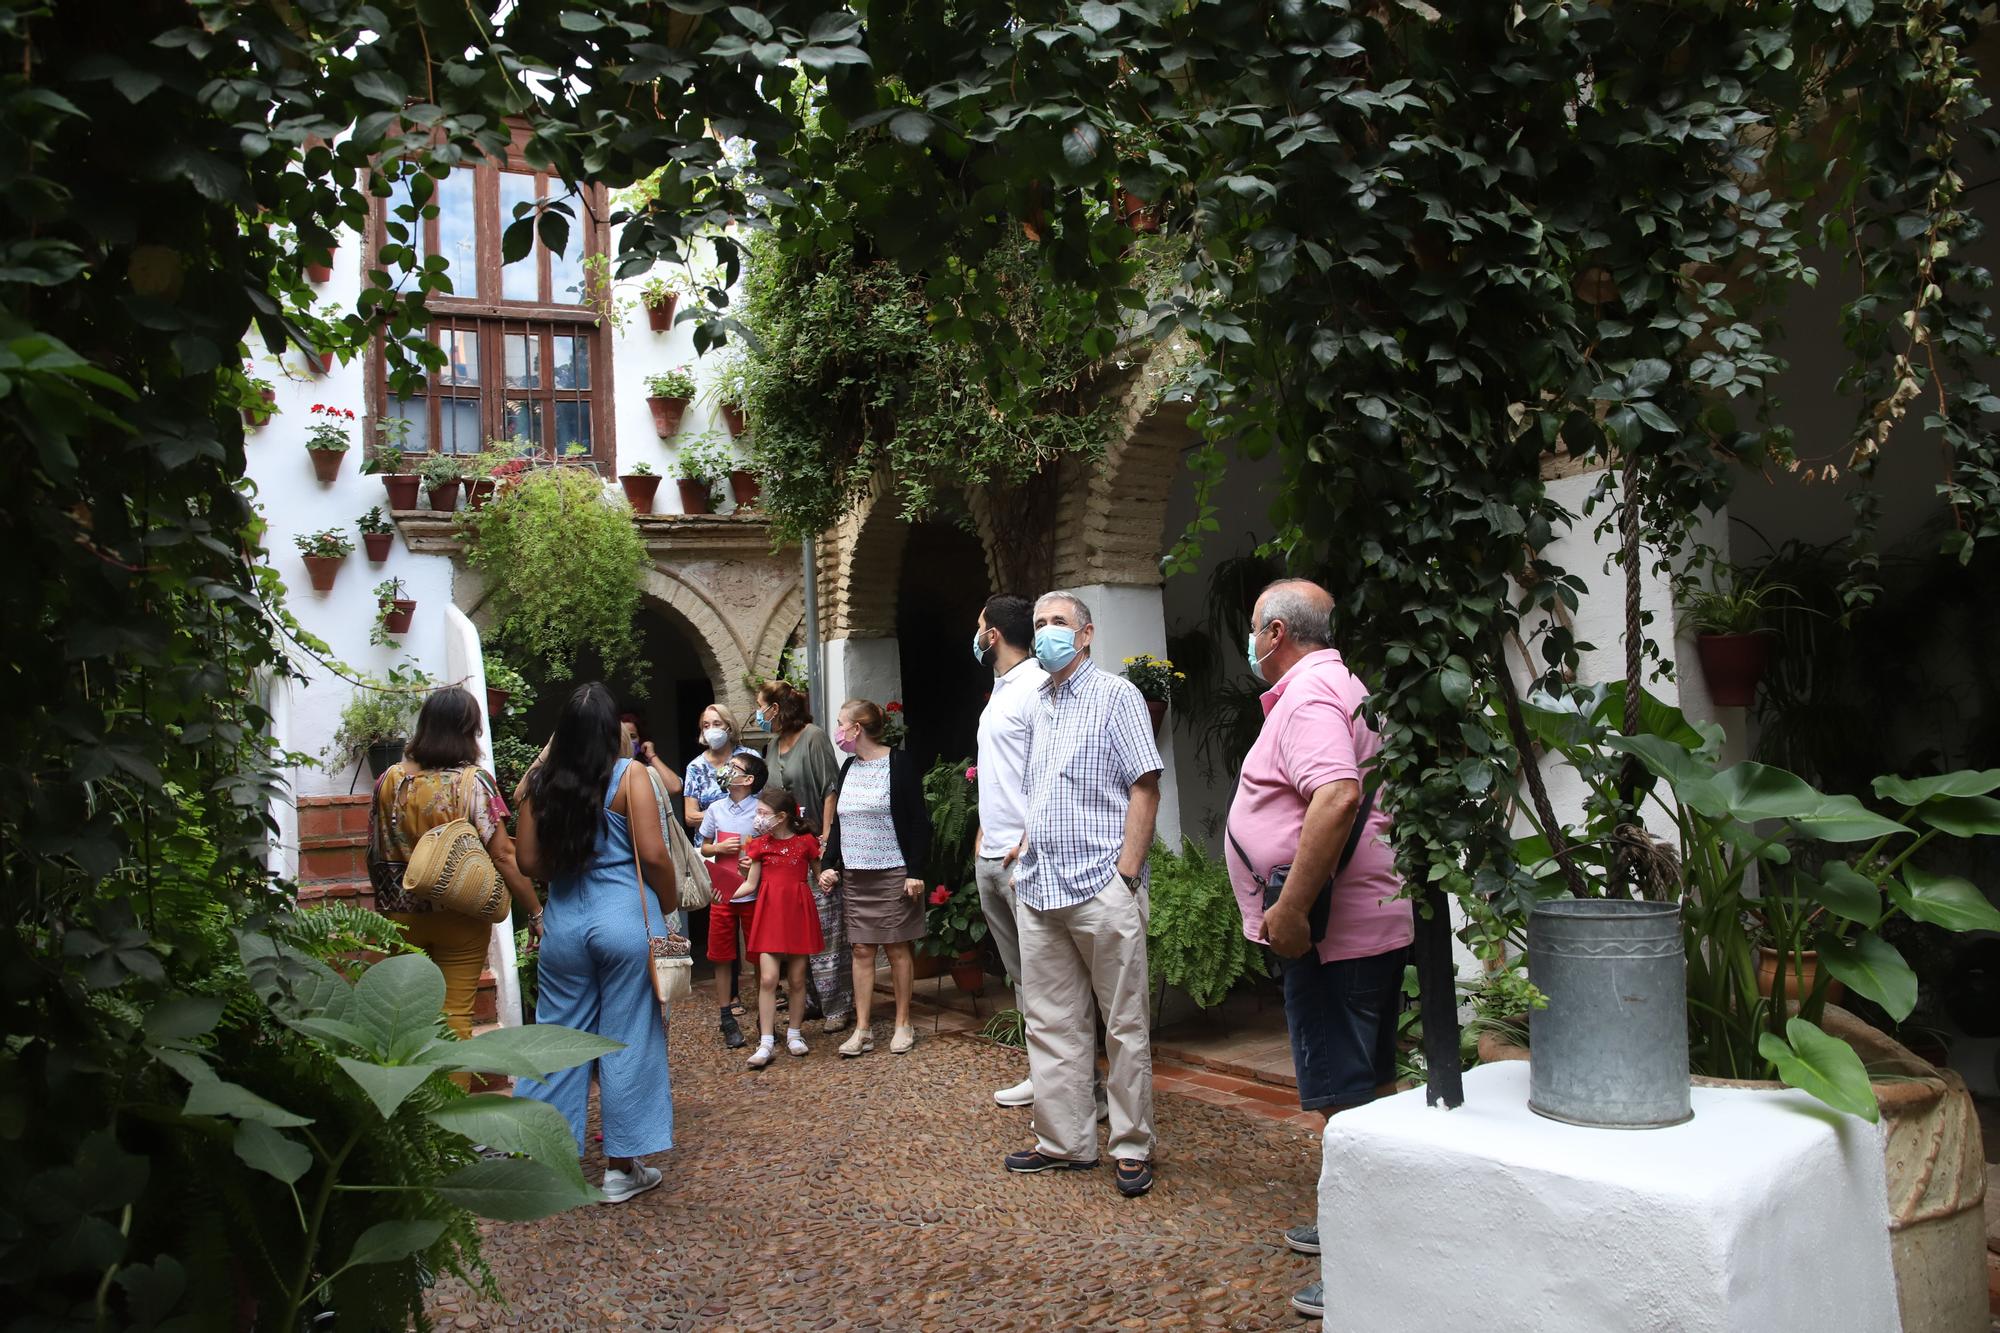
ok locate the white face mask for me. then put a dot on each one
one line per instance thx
(715, 737)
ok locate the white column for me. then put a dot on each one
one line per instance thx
(465, 665)
(1132, 620)
(859, 669)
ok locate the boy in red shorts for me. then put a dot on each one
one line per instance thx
(724, 827)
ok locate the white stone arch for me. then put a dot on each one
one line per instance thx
(718, 649)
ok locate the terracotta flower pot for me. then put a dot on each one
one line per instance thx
(1136, 213)
(319, 272)
(444, 498)
(660, 318)
(968, 973)
(732, 417)
(639, 491)
(694, 496)
(326, 462)
(496, 701)
(377, 545)
(926, 965)
(1733, 665)
(323, 569)
(397, 619)
(1796, 987)
(402, 488)
(667, 414)
(478, 490)
(746, 488)
(321, 362)
(1157, 710)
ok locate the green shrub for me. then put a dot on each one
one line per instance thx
(1195, 938)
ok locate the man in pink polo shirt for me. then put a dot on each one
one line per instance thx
(1334, 916)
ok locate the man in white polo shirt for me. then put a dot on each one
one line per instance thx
(1004, 644)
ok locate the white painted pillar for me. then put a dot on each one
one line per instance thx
(859, 669)
(465, 666)
(1131, 620)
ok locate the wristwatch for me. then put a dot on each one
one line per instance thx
(1132, 882)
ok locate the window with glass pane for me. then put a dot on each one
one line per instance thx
(520, 280)
(566, 269)
(417, 413)
(573, 428)
(524, 361)
(572, 358)
(458, 233)
(458, 426)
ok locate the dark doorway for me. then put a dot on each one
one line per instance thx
(942, 589)
(675, 682)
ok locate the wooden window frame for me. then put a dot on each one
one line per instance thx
(493, 316)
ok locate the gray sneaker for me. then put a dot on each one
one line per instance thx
(1310, 1301)
(1304, 1238)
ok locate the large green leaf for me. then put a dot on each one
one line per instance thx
(266, 1150)
(223, 1098)
(533, 1051)
(386, 1085)
(1692, 779)
(1916, 791)
(386, 1242)
(1962, 816)
(182, 1018)
(1844, 819)
(516, 1124)
(1758, 791)
(1871, 966)
(397, 999)
(514, 1189)
(292, 983)
(1943, 900)
(1849, 894)
(1826, 1067)
(333, 1030)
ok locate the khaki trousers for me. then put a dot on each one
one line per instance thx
(457, 944)
(996, 899)
(1079, 963)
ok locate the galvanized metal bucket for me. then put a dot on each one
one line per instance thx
(1611, 1049)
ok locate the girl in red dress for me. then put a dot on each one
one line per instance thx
(784, 861)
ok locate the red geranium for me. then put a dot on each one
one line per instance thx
(972, 774)
(940, 895)
(894, 706)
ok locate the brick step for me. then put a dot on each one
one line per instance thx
(321, 816)
(333, 856)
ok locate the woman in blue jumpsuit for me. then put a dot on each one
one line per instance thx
(577, 831)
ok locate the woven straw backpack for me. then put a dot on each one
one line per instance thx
(449, 867)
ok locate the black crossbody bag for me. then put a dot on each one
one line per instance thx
(1322, 904)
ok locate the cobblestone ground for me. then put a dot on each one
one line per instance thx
(825, 1193)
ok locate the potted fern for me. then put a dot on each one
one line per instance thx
(392, 612)
(1194, 936)
(640, 484)
(323, 552)
(376, 533)
(668, 395)
(440, 475)
(702, 461)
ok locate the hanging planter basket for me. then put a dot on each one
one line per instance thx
(444, 497)
(323, 570)
(321, 273)
(639, 491)
(496, 701)
(660, 316)
(1733, 665)
(694, 497)
(667, 414)
(732, 417)
(396, 618)
(1157, 710)
(402, 488)
(385, 755)
(745, 487)
(326, 462)
(377, 545)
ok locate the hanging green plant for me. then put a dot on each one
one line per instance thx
(565, 561)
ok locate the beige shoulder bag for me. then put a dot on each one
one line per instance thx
(672, 960)
(450, 869)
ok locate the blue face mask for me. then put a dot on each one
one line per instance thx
(758, 721)
(1055, 647)
(1255, 669)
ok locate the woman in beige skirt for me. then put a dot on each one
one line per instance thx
(876, 851)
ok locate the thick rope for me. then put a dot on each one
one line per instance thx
(1630, 868)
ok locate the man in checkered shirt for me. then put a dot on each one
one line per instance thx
(1093, 786)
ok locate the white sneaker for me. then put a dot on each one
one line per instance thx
(1021, 1094)
(762, 1056)
(622, 1185)
(902, 1040)
(796, 1044)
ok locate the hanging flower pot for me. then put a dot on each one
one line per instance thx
(968, 973)
(732, 417)
(323, 570)
(444, 496)
(396, 613)
(326, 462)
(1733, 665)
(320, 273)
(1136, 213)
(1157, 710)
(694, 496)
(402, 488)
(496, 701)
(667, 414)
(660, 311)
(478, 490)
(377, 544)
(321, 363)
(640, 488)
(743, 484)
(385, 755)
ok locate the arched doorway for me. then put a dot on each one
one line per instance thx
(941, 588)
(666, 695)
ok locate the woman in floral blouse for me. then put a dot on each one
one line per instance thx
(426, 789)
(707, 777)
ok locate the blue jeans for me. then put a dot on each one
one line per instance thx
(1342, 1018)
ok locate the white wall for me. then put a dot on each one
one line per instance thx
(859, 669)
(1130, 621)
